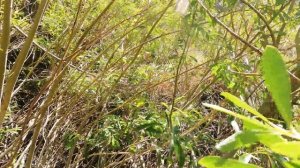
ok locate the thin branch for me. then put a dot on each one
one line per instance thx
(229, 30)
(44, 49)
(263, 19)
(4, 43)
(185, 50)
(16, 69)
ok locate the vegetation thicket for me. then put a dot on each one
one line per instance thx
(149, 83)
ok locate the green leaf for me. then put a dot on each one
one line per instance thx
(247, 138)
(243, 105)
(256, 125)
(218, 162)
(70, 140)
(235, 141)
(292, 164)
(289, 149)
(254, 131)
(178, 151)
(147, 125)
(277, 81)
(252, 123)
(239, 116)
(280, 2)
(231, 3)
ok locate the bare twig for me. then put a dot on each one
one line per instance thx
(263, 19)
(229, 30)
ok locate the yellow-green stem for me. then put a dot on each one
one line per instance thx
(17, 67)
(4, 43)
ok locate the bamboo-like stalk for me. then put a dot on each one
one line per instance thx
(61, 70)
(74, 100)
(89, 28)
(39, 124)
(17, 67)
(295, 83)
(4, 43)
(70, 155)
(55, 80)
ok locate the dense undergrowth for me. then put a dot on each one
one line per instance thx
(138, 83)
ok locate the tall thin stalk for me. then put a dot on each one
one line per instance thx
(17, 67)
(297, 43)
(4, 43)
(42, 112)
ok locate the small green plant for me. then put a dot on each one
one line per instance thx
(279, 143)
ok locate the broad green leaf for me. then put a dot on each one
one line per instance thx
(235, 141)
(292, 164)
(243, 105)
(265, 134)
(218, 162)
(256, 125)
(289, 149)
(272, 128)
(255, 131)
(277, 81)
(251, 122)
(248, 138)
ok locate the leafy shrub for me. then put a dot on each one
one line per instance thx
(279, 141)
